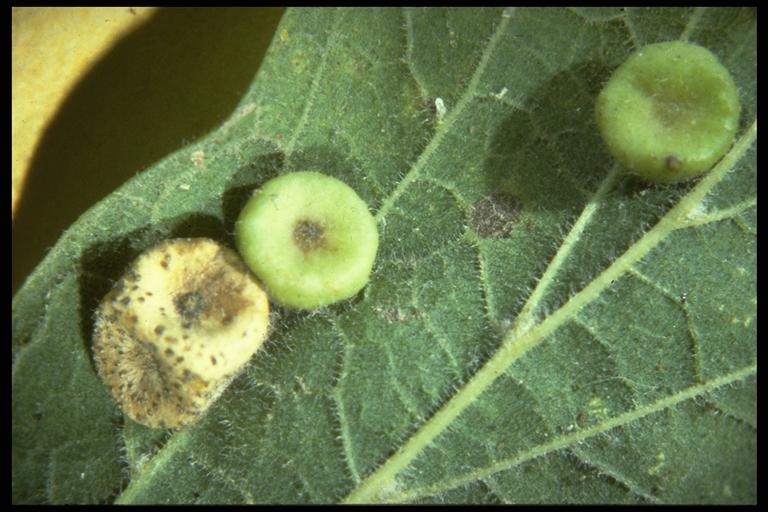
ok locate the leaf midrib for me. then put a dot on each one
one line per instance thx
(519, 340)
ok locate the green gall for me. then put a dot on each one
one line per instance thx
(309, 238)
(670, 112)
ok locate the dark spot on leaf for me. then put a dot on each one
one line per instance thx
(169, 352)
(494, 216)
(226, 320)
(125, 301)
(159, 330)
(213, 360)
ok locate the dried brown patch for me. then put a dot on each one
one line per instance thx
(494, 216)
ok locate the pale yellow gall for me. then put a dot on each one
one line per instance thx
(176, 329)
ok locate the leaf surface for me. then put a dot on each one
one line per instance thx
(539, 327)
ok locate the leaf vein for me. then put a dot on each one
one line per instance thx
(405, 397)
(607, 469)
(573, 439)
(489, 301)
(515, 346)
(696, 218)
(635, 39)
(408, 26)
(308, 104)
(530, 310)
(692, 24)
(344, 426)
(444, 127)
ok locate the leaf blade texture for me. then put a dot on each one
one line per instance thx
(539, 327)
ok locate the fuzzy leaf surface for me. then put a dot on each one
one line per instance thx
(540, 327)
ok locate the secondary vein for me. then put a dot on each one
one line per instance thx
(579, 436)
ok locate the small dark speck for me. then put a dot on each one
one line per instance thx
(125, 301)
(169, 352)
(213, 360)
(226, 320)
(159, 330)
(673, 163)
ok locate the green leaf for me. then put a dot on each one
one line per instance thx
(539, 326)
